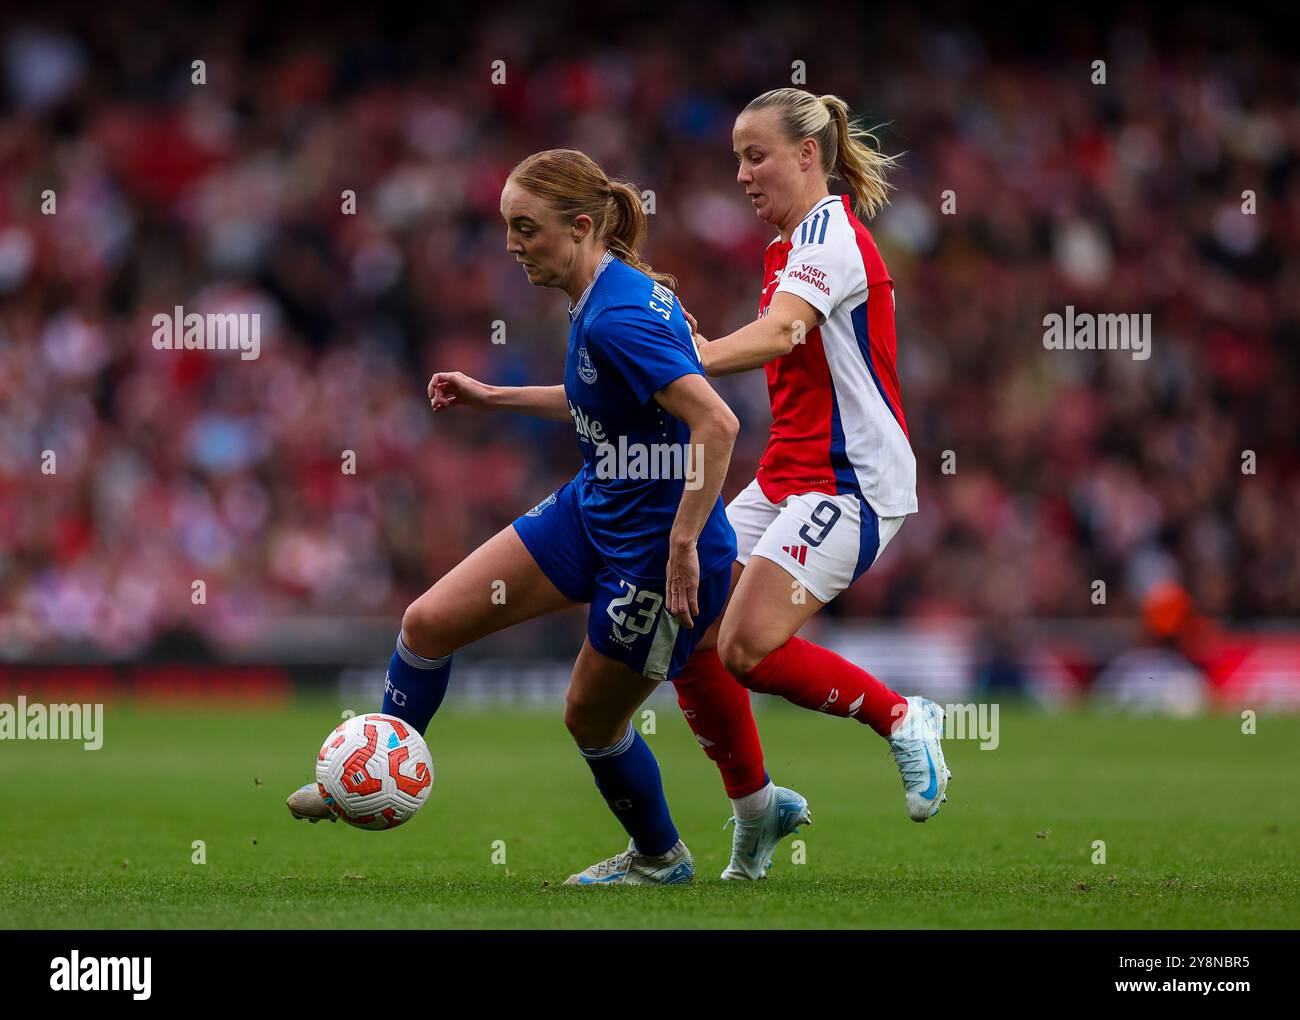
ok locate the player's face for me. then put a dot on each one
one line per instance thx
(536, 237)
(768, 164)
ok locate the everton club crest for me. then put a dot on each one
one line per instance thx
(586, 370)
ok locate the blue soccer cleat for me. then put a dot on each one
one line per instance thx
(917, 747)
(632, 867)
(754, 839)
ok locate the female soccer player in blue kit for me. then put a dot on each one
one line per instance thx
(652, 556)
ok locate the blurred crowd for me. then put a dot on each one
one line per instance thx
(1026, 185)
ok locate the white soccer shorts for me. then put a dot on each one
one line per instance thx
(824, 542)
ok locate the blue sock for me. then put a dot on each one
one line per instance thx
(415, 686)
(627, 776)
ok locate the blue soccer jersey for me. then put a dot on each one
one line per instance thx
(629, 339)
(602, 538)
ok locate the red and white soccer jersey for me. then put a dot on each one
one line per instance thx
(837, 413)
(838, 475)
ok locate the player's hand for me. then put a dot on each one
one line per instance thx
(453, 389)
(683, 584)
(697, 338)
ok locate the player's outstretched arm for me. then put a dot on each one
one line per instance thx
(456, 389)
(714, 427)
(787, 322)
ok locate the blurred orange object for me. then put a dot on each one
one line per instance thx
(1167, 609)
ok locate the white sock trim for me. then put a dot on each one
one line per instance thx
(419, 661)
(754, 804)
(613, 749)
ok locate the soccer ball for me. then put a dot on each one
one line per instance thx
(374, 771)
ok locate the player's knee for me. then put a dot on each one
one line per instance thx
(740, 653)
(587, 725)
(422, 632)
(577, 720)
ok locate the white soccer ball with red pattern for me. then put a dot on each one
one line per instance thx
(374, 771)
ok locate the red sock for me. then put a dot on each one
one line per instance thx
(815, 677)
(717, 710)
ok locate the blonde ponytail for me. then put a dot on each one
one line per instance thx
(848, 150)
(858, 159)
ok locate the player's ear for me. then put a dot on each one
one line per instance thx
(582, 226)
(807, 153)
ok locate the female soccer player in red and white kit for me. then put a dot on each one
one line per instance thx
(837, 478)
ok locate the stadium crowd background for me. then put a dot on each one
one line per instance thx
(1070, 466)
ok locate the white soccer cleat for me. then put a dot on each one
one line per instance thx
(632, 867)
(754, 839)
(917, 747)
(308, 802)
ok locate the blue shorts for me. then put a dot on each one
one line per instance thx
(628, 620)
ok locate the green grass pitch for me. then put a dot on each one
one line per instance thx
(1201, 826)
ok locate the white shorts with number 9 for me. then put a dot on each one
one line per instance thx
(824, 542)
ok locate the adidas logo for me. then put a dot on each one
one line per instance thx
(799, 552)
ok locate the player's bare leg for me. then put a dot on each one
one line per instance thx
(461, 608)
(758, 645)
(602, 697)
(769, 608)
